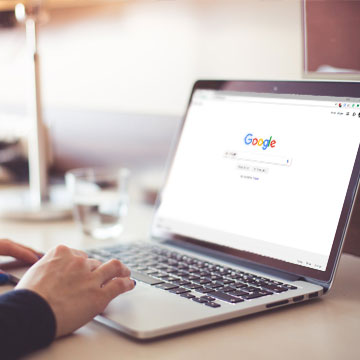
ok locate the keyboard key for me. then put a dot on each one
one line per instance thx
(188, 295)
(188, 260)
(181, 282)
(255, 295)
(193, 270)
(276, 282)
(201, 281)
(279, 289)
(179, 291)
(246, 278)
(204, 290)
(254, 282)
(226, 297)
(149, 264)
(212, 304)
(226, 281)
(154, 273)
(214, 285)
(175, 255)
(261, 283)
(193, 286)
(211, 267)
(185, 275)
(166, 286)
(173, 272)
(201, 264)
(199, 300)
(168, 277)
(275, 288)
(173, 263)
(225, 271)
(161, 267)
(182, 274)
(227, 289)
(208, 298)
(239, 284)
(145, 278)
(250, 289)
(193, 278)
(215, 277)
(205, 274)
(141, 268)
(234, 276)
(238, 293)
(183, 267)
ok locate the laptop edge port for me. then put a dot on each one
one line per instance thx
(313, 295)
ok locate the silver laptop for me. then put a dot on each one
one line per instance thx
(254, 210)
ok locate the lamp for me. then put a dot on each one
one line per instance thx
(40, 202)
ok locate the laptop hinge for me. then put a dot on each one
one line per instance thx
(323, 284)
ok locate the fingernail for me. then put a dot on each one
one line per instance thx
(134, 282)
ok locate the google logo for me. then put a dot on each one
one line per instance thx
(249, 139)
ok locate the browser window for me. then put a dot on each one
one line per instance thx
(263, 174)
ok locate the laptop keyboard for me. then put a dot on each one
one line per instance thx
(201, 281)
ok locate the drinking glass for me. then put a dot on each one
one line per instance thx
(100, 199)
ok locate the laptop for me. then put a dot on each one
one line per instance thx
(254, 210)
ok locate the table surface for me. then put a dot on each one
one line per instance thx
(326, 328)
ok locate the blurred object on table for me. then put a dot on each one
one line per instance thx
(100, 198)
(150, 183)
(7, 19)
(39, 202)
(13, 161)
(13, 148)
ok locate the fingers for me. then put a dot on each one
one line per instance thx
(93, 264)
(37, 253)
(111, 269)
(79, 253)
(63, 250)
(118, 286)
(20, 252)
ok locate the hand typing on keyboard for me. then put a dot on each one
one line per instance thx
(63, 291)
(76, 287)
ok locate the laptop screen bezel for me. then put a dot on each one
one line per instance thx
(311, 88)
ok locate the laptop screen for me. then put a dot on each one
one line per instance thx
(263, 173)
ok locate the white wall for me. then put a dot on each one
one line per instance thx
(143, 56)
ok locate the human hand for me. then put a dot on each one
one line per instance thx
(76, 288)
(20, 252)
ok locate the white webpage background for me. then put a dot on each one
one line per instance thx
(297, 206)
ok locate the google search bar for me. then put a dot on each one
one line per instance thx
(264, 159)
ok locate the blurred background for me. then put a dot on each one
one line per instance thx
(116, 74)
(142, 57)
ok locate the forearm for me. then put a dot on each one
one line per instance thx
(27, 323)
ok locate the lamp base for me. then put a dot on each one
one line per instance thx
(15, 204)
